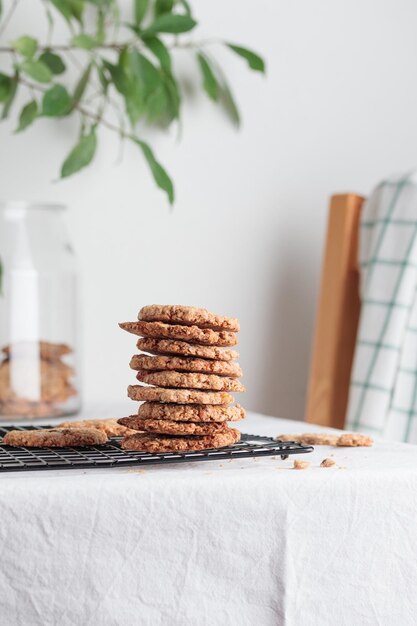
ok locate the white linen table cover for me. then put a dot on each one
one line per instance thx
(244, 542)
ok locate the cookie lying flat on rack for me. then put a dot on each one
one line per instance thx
(185, 364)
(168, 427)
(188, 316)
(193, 334)
(190, 381)
(109, 426)
(192, 412)
(181, 396)
(172, 346)
(55, 437)
(348, 440)
(158, 443)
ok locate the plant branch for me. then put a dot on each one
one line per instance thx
(117, 45)
(8, 16)
(95, 117)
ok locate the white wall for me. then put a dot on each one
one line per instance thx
(336, 112)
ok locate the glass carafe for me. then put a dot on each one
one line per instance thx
(38, 314)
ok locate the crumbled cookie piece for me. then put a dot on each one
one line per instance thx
(300, 465)
(327, 462)
(354, 440)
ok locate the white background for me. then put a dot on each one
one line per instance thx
(336, 112)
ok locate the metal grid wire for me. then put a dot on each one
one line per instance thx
(111, 455)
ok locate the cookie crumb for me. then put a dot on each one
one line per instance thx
(300, 465)
(327, 463)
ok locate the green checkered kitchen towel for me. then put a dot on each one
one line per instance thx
(383, 387)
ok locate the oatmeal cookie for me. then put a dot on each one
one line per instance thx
(26, 408)
(54, 384)
(156, 443)
(188, 316)
(353, 440)
(190, 381)
(168, 427)
(170, 346)
(311, 439)
(192, 334)
(110, 426)
(184, 364)
(181, 396)
(47, 350)
(191, 412)
(55, 437)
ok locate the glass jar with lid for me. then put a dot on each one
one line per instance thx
(39, 375)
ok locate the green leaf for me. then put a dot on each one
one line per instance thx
(81, 86)
(124, 83)
(209, 80)
(81, 155)
(70, 9)
(37, 70)
(26, 46)
(1, 7)
(159, 174)
(120, 72)
(229, 103)
(255, 62)
(170, 23)
(143, 72)
(140, 8)
(5, 87)
(163, 6)
(77, 9)
(84, 41)
(103, 78)
(156, 106)
(27, 115)
(159, 49)
(12, 94)
(53, 61)
(56, 102)
(64, 8)
(173, 97)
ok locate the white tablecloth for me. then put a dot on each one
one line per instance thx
(244, 542)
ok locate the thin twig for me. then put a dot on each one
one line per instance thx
(117, 45)
(95, 117)
(8, 16)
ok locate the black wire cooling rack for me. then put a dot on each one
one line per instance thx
(112, 455)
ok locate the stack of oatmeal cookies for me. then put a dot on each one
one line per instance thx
(189, 371)
(39, 367)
